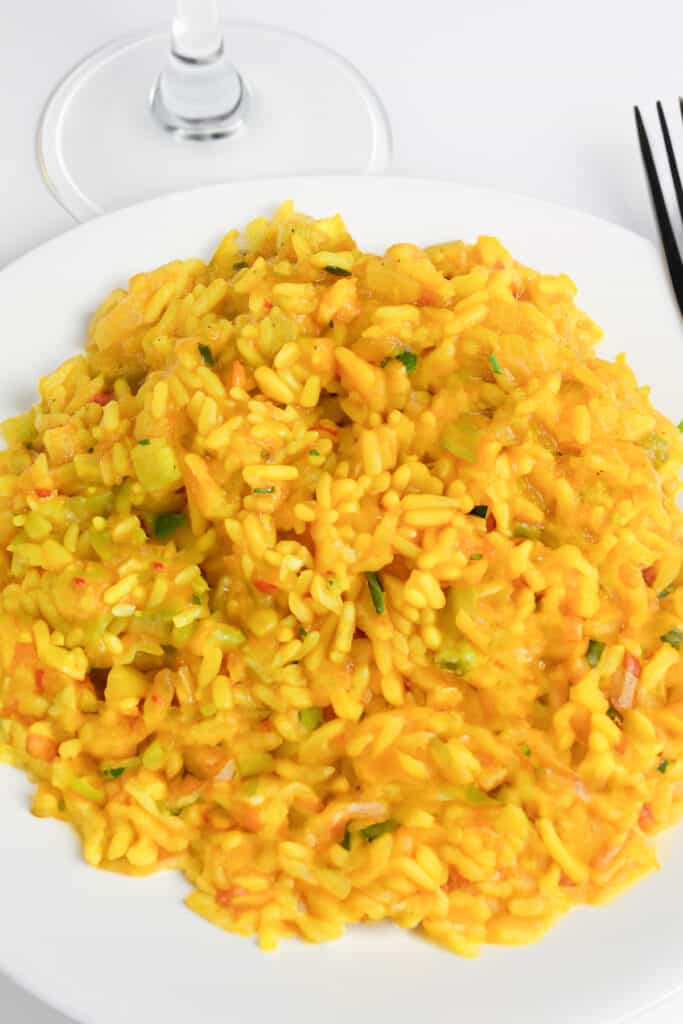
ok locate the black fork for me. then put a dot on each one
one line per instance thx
(666, 232)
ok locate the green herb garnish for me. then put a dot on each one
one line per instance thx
(495, 365)
(665, 593)
(346, 841)
(144, 440)
(166, 523)
(594, 652)
(311, 718)
(313, 451)
(526, 749)
(376, 591)
(476, 557)
(615, 715)
(240, 265)
(480, 511)
(263, 490)
(113, 773)
(206, 354)
(372, 832)
(663, 765)
(338, 271)
(673, 637)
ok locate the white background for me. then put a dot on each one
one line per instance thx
(530, 96)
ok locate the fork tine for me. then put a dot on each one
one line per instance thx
(671, 156)
(673, 257)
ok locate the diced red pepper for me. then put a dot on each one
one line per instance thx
(632, 664)
(157, 565)
(454, 881)
(39, 676)
(78, 581)
(102, 397)
(265, 587)
(155, 698)
(224, 897)
(649, 575)
(646, 817)
(490, 522)
(268, 304)
(328, 713)
(327, 430)
(44, 492)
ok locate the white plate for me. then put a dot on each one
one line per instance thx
(107, 949)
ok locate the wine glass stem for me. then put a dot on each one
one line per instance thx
(196, 31)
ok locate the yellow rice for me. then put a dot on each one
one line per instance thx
(348, 585)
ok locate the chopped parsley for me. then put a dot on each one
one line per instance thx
(665, 593)
(372, 832)
(313, 451)
(303, 632)
(663, 765)
(311, 718)
(376, 591)
(263, 490)
(206, 354)
(495, 365)
(615, 715)
(338, 271)
(346, 841)
(113, 773)
(480, 511)
(594, 652)
(526, 749)
(673, 637)
(166, 523)
(240, 265)
(144, 440)
(476, 557)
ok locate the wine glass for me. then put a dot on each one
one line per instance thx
(140, 118)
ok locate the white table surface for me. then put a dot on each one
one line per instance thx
(530, 96)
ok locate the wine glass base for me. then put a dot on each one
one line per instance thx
(305, 110)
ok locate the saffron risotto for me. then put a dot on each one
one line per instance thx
(347, 584)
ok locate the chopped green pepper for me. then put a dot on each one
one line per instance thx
(526, 749)
(475, 795)
(206, 354)
(663, 765)
(594, 652)
(673, 637)
(527, 530)
(615, 715)
(346, 841)
(338, 271)
(459, 658)
(476, 557)
(480, 511)
(311, 718)
(166, 523)
(372, 832)
(407, 359)
(143, 440)
(376, 591)
(665, 593)
(113, 773)
(313, 451)
(495, 365)
(263, 490)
